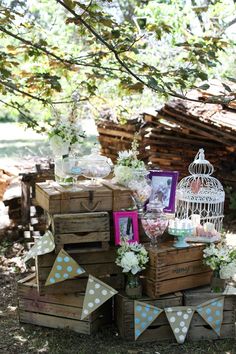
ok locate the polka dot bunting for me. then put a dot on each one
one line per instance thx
(144, 315)
(212, 312)
(64, 267)
(44, 245)
(96, 294)
(180, 318)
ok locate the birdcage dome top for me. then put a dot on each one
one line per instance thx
(200, 186)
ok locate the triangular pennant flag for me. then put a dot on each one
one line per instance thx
(96, 294)
(63, 268)
(180, 318)
(144, 315)
(212, 312)
(44, 245)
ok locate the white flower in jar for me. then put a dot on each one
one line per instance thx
(129, 262)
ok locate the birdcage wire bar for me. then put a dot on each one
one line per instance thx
(201, 194)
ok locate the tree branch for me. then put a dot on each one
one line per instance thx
(14, 88)
(28, 118)
(64, 61)
(119, 60)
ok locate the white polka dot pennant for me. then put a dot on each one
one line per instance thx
(44, 245)
(96, 294)
(179, 318)
(212, 312)
(64, 267)
(144, 315)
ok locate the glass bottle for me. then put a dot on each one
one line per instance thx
(154, 222)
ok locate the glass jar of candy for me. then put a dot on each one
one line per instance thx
(154, 222)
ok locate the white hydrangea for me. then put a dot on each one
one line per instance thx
(228, 271)
(123, 174)
(58, 146)
(129, 262)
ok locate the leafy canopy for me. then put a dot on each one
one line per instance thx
(108, 51)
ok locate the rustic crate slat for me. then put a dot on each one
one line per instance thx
(174, 271)
(60, 311)
(159, 330)
(155, 289)
(82, 231)
(121, 196)
(170, 269)
(47, 260)
(59, 200)
(83, 222)
(206, 333)
(116, 281)
(93, 269)
(199, 329)
(100, 264)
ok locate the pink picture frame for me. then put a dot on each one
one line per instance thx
(126, 225)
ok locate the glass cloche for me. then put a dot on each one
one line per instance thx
(95, 166)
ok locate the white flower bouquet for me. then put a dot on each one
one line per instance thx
(132, 257)
(221, 259)
(64, 136)
(128, 165)
(66, 133)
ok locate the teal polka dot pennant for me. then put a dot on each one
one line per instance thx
(45, 244)
(212, 312)
(179, 318)
(144, 315)
(64, 267)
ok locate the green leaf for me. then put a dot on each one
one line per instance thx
(202, 75)
(204, 87)
(227, 88)
(69, 3)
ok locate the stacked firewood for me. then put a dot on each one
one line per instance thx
(170, 139)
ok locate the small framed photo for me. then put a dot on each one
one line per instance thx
(126, 225)
(164, 185)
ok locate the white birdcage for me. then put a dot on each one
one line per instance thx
(201, 194)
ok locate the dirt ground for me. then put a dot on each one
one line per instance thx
(16, 338)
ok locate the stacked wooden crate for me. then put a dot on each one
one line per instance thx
(58, 310)
(81, 224)
(199, 329)
(159, 330)
(171, 269)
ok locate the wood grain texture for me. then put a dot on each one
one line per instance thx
(157, 288)
(159, 330)
(170, 269)
(59, 311)
(59, 200)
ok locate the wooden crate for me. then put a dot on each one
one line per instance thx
(159, 330)
(199, 329)
(83, 231)
(58, 311)
(171, 269)
(58, 200)
(100, 264)
(121, 196)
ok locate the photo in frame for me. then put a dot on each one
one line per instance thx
(126, 225)
(164, 185)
